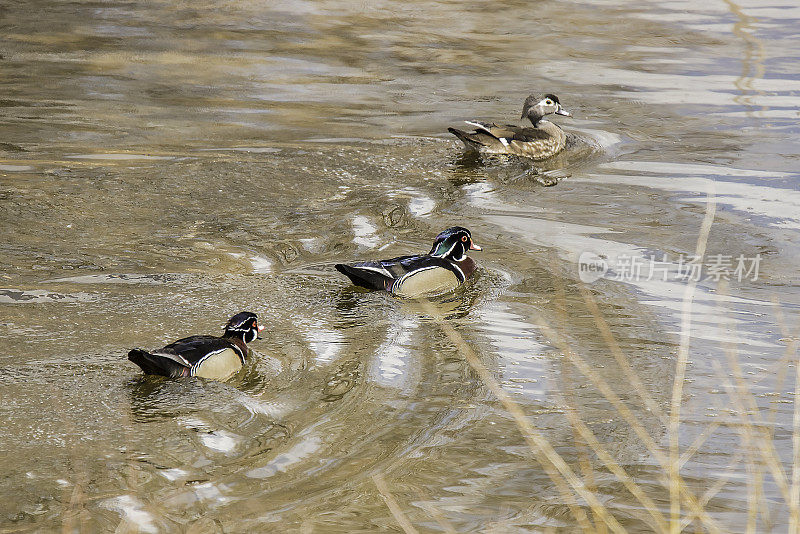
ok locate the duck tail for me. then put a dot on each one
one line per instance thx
(364, 277)
(469, 142)
(155, 364)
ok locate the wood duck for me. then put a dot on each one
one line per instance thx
(443, 269)
(542, 141)
(218, 358)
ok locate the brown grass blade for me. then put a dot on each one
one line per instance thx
(794, 492)
(680, 370)
(588, 436)
(555, 466)
(629, 417)
(619, 357)
(391, 503)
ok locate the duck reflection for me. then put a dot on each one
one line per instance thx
(471, 168)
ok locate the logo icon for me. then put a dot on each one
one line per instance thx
(591, 267)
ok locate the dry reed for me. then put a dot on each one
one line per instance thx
(756, 433)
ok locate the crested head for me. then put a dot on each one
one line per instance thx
(537, 106)
(243, 325)
(453, 244)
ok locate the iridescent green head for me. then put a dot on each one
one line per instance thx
(453, 244)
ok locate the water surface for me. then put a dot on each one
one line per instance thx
(164, 165)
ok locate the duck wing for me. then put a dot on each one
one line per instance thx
(379, 274)
(508, 132)
(497, 138)
(162, 364)
(194, 348)
(382, 274)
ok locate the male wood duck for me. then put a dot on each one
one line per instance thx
(542, 141)
(443, 269)
(218, 358)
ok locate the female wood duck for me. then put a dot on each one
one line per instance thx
(213, 357)
(542, 141)
(443, 269)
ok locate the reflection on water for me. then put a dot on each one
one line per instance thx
(166, 164)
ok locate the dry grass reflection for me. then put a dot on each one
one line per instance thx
(685, 507)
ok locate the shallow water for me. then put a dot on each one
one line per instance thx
(164, 165)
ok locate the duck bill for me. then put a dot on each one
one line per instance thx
(473, 246)
(562, 111)
(260, 328)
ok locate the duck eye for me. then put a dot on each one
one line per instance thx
(464, 239)
(548, 102)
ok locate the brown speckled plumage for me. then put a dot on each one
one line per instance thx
(544, 140)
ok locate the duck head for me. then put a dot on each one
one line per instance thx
(244, 326)
(453, 244)
(537, 106)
